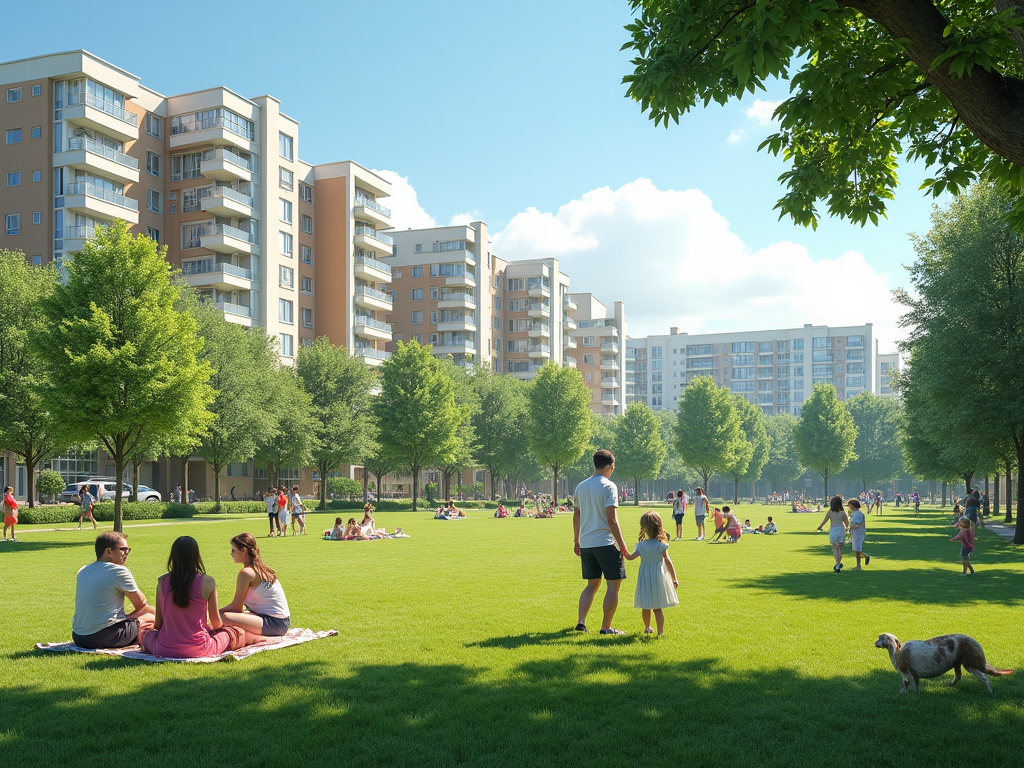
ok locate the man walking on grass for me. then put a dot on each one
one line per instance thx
(596, 530)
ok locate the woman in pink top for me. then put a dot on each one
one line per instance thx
(187, 622)
(10, 509)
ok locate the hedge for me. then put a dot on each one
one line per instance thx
(231, 508)
(406, 504)
(69, 513)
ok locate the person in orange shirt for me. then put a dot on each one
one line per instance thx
(719, 524)
(282, 509)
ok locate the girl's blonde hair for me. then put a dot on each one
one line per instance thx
(651, 527)
(970, 523)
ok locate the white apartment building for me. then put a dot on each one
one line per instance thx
(597, 335)
(774, 369)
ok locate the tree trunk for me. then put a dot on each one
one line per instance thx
(415, 484)
(736, 491)
(995, 495)
(184, 479)
(944, 494)
(366, 489)
(118, 491)
(30, 477)
(636, 491)
(824, 477)
(1009, 493)
(554, 485)
(1018, 534)
(216, 487)
(968, 479)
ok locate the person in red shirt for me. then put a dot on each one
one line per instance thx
(282, 509)
(10, 509)
(966, 539)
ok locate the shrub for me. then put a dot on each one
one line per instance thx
(231, 508)
(143, 510)
(49, 483)
(380, 506)
(49, 515)
(344, 486)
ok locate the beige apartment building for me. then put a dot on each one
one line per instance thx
(598, 334)
(293, 248)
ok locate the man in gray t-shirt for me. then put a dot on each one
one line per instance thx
(101, 587)
(598, 540)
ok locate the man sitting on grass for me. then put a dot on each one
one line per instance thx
(101, 587)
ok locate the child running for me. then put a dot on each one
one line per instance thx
(719, 524)
(656, 582)
(966, 539)
(857, 532)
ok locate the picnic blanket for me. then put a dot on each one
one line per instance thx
(292, 637)
(327, 537)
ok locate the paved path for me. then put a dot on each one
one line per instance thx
(1002, 530)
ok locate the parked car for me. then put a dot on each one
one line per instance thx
(148, 494)
(104, 489)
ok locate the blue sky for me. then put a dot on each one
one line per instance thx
(486, 108)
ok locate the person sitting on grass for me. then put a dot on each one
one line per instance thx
(10, 510)
(100, 589)
(501, 511)
(338, 532)
(747, 527)
(719, 524)
(732, 525)
(770, 527)
(259, 590)
(353, 532)
(187, 624)
(369, 527)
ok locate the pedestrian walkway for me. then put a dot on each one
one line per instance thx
(1002, 530)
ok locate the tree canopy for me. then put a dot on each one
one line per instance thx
(639, 450)
(560, 420)
(825, 434)
(783, 465)
(500, 424)
(707, 434)
(879, 455)
(752, 449)
(870, 80)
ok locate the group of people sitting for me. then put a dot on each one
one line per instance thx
(187, 620)
(366, 530)
(521, 511)
(729, 529)
(283, 509)
(449, 512)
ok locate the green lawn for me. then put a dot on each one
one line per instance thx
(455, 649)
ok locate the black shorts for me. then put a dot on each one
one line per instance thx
(119, 635)
(604, 561)
(679, 518)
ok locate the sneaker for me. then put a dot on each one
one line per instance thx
(14, 538)
(648, 631)
(700, 538)
(867, 559)
(581, 628)
(835, 569)
(612, 631)
(840, 567)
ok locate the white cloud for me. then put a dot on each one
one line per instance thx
(465, 218)
(674, 261)
(406, 211)
(761, 111)
(736, 136)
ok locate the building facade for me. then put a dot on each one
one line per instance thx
(598, 336)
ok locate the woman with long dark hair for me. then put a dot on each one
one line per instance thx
(838, 523)
(187, 622)
(257, 589)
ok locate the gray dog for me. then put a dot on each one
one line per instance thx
(935, 657)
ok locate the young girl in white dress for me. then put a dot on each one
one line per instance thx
(656, 582)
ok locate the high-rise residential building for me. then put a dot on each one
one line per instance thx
(774, 369)
(534, 316)
(446, 288)
(888, 364)
(599, 335)
(276, 243)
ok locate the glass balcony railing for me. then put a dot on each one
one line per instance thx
(542, 348)
(209, 267)
(232, 194)
(235, 232)
(228, 156)
(233, 309)
(373, 205)
(79, 232)
(362, 229)
(458, 296)
(114, 110)
(367, 261)
(369, 322)
(91, 190)
(376, 354)
(98, 148)
(373, 293)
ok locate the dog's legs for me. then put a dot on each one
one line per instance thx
(906, 682)
(917, 683)
(956, 676)
(983, 677)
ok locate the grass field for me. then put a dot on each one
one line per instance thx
(455, 649)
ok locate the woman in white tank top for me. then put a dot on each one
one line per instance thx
(257, 589)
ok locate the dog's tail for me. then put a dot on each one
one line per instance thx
(990, 670)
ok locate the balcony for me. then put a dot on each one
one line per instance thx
(537, 309)
(466, 324)
(529, 373)
(540, 291)
(539, 350)
(372, 211)
(89, 155)
(228, 203)
(224, 239)
(568, 323)
(599, 327)
(369, 239)
(212, 130)
(569, 305)
(466, 347)
(539, 331)
(569, 362)
(610, 347)
(369, 328)
(456, 300)
(370, 355)
(75, 237)
(371, 298)
(206, 273)
(235, 313)
(569, 343)
(372, 270)
(609, 364)
(224, 165)
(609, 382)
(106, 117)
(466, 279)
(96, 201)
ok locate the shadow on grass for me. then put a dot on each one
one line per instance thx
(604, 708)
(37, 546)
(565, 637)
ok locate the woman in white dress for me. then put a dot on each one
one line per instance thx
(838, 523)
(656, 582)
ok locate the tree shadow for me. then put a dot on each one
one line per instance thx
(36, 546)
(603, 708)
(564, 637)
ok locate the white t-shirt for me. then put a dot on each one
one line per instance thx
(271, 502)
(700, 506)
(297, 508)
(592, 496)
(99, 596)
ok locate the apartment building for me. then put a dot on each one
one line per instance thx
(598, 334)
(446, 288)
(774, 369)
(535, 315)
(888, 364)
(276, 243)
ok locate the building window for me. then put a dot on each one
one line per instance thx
(306, 341)
(37, 260)
(37, 132)
(14, 135)
(417, 271)
(307, 285)
(588, 359)
(306, 224)
(153, 163)
(37, 217)
(154, 126)
(417, 294)
(154, 234)
(798, 343)
(14, 179)
(285, 178)
(37, 175)
(286, 210)
(153, 200)
(287, 345)
(307, 255)
(284, 146)
(305, 193)
(307, 317)
(287, 277)
(14, 224)
(286, 244)
(433, 293)
(417, 318)
(13, 95)
(284, 311)
(37, 90)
